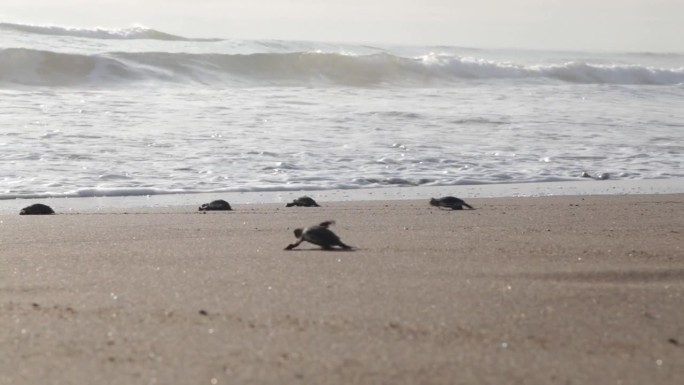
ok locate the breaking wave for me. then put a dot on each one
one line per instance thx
(137, 32)
(280, 63)
(31, 67)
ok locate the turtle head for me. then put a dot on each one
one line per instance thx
(434, 202)
(298, 232)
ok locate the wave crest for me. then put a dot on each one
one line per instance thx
(47, 68)
(136, 32)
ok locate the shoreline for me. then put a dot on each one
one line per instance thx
(162, 201)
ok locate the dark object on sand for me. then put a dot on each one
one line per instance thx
(318, 235)
(304, 202)
(216, 205)
(37, 209)
(450, 202)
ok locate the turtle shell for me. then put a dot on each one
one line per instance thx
(37, 209)
(303, 202)
(318, 235)
(450, 202)
(217, 205)
(321, 236)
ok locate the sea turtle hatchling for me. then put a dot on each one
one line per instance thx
(37, 209)
(318, 235)
(216, 205)
(450, 202)
(303, 202)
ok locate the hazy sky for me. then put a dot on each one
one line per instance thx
(614, 25)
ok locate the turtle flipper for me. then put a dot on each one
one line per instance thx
(293, 245)
(326, 224)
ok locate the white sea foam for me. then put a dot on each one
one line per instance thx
(86, 113)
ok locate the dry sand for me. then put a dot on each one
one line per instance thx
(547, 290)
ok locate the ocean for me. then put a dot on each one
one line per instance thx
(137, 112)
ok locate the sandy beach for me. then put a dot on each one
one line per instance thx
(542, 290)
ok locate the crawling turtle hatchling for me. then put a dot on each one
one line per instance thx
(304, 202)
(318, 235)
(450, 202)
(37, 209)
(216, 205)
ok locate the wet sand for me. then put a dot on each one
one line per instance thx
(567, 290)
